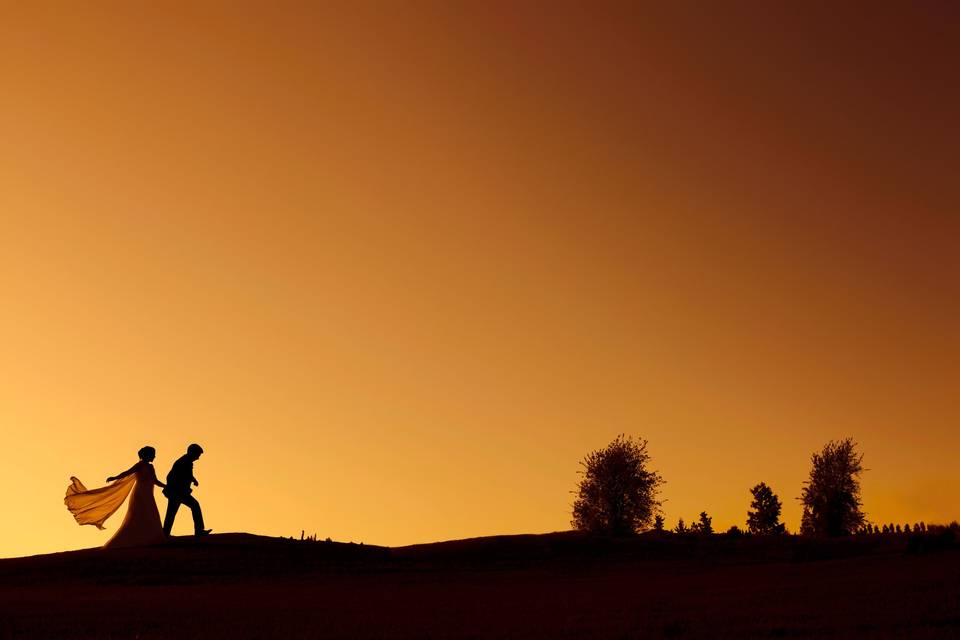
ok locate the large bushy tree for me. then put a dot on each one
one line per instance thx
(831, 497)
(618, 492)
(763, 519)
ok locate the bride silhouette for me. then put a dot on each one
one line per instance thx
(141, 525)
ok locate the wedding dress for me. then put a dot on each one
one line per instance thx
(141, 526)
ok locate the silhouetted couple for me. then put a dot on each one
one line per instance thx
(141, 526)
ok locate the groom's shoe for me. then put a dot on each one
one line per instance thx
(203, 532)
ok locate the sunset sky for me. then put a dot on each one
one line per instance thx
(398, 266)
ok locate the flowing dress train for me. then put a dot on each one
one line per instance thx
(141, 526)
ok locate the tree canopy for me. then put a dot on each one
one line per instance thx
(618, 492)
(831, 496)
(763, 519)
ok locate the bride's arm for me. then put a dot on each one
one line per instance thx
(124, 474)
(153, 472)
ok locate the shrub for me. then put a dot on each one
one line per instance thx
(704, 525)
(658, 522)
(681, 528)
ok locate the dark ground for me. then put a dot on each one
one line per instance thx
(560, 585)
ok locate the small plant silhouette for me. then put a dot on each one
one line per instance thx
(681, 527)
(658, 522)
(704, 524)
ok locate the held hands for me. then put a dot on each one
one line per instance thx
(195, 483)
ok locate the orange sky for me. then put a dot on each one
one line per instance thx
(398, 268)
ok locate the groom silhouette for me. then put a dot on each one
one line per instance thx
(178, 491)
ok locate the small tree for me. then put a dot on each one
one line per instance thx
(764, 517)
(681, 528)
(658, 522)
(618, 493)
(704, 525)
(831, 497)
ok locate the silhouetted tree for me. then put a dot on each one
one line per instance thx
(704, 525)
(899, 530)
(923, 527)
(764, 517)
(618, 493)
(734, 531)
(832, 494)
(681, 528)
(658, 523)
(906, 528)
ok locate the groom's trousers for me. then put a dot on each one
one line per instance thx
(173, 505)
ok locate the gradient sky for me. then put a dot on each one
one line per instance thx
(399, 266)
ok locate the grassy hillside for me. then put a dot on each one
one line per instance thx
(536, 586)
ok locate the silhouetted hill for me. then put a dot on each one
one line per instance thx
(552, 585)
(217, 558)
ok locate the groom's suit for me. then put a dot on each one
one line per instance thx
(178, 492)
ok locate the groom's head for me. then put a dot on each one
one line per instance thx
(194, 451)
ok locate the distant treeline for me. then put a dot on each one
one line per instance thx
(702, 526)
(618, 495)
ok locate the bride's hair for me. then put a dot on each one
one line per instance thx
(145, 452)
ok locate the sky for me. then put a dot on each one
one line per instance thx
(398, 267)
